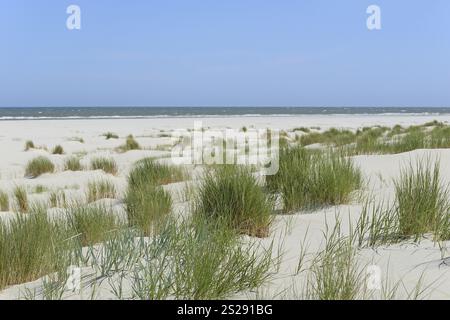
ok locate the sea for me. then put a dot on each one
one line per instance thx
(44, 113)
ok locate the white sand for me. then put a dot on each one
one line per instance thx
(407, 262)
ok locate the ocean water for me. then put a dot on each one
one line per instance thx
(152, 112)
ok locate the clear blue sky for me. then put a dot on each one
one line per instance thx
(225, 52)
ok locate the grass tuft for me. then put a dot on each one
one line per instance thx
(231, 195)
(29, 145)
(110, 135)
(307, 180)
(73, 164)
(92, 223)
(149, 171)
(58, 150)
(30, 247)
(102, 189)
(130, 144)
(39, 166)
(21, 198)
(108, 165)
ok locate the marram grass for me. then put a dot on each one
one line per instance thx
(39, 166)
(72, 164)
(100, 189)
(230, 194)
(21, 199)
(149, 171)
(108, 165)
(421, 206)
(307, 179)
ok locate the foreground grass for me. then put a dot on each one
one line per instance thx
(231, 195)
(30, 247)
(308, 179)
(421, 206)
(39, 166)
(335, 273)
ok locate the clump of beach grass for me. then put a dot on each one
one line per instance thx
(307, 179)
(30, 247)
(231, 195)
(58, 150)
(214, 263)
(39, 166)
(130, 144)
(29, 145)
(4, 201)
(149, 171)
(196, 260)
(110, 135)
(73, 164)
(92, 223)
(101, 189)
(147, 206)
(108, 165)
(421, 206)
(21, 199)
(422, 201)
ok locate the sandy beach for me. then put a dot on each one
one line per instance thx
(403, 265)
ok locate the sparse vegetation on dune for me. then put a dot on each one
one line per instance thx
(39, 166)
(73, 164)
(214, 263)
(77, 139)
(421, 206)
(58, 150)
(130, 144)
(383, 140)
(422, 202)
(306, 179)
(29, 145)
(335, 273)
(231, 195)
(150, 171)
(100, 189)
(110, 135)
(108, 165)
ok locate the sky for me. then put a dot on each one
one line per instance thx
(224, 53)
